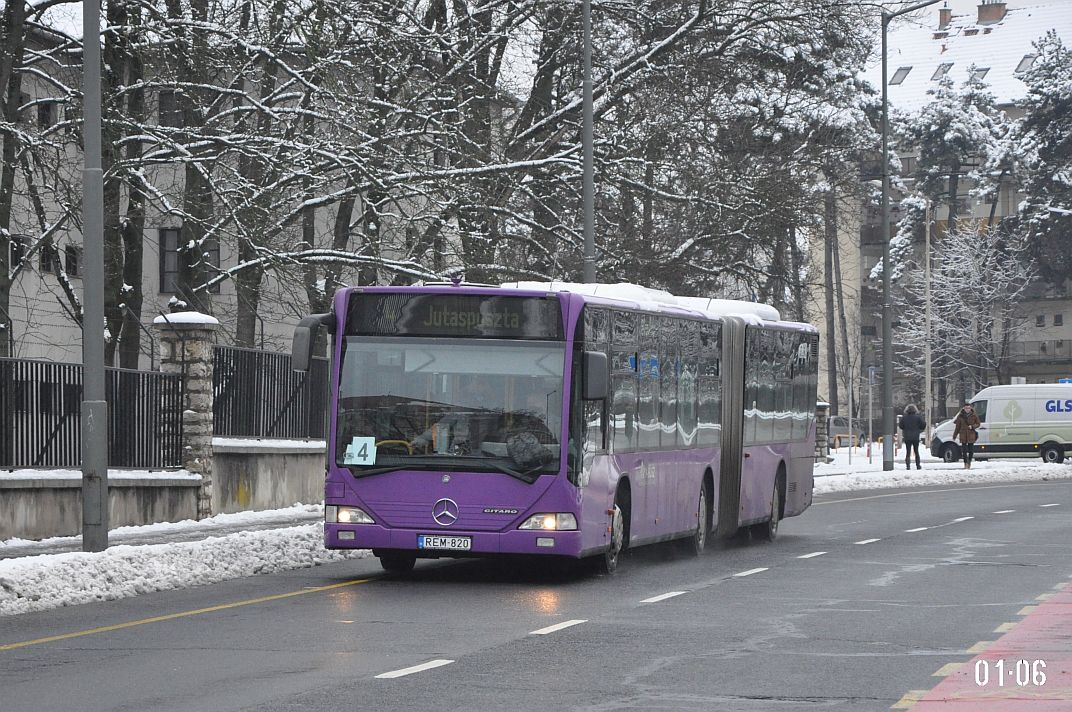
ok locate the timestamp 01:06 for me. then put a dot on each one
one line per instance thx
(1009, 672)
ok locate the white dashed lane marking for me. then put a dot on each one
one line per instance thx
(416, 668)
(749, 572)
(1004, 511)
(917, 529)
(868, 541)
(812, 555)
(557, 626)
(1055, 504)
(663, 596)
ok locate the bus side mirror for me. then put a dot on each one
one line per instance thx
(595, 377)
(301, 349)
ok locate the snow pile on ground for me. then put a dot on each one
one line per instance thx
(131, 534)
(39, 583)
(841, 476)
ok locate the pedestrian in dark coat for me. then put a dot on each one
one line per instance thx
(912, 426)
(965, 426)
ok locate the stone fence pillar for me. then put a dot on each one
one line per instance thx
(186, 340)
(822, 439)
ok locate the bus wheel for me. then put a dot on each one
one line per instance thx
(1053, 454)
(607, 562)
(696, 543)
(950, 453)
(769, 529)
(397, 563)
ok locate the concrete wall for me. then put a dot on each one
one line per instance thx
(45, 507)
(266, 475)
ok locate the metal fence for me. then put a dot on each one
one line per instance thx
(258, 394)
(40, 416)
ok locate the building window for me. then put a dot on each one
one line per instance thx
(170, 112)
(16, 247)
(1058, 319)
(169, 260)
(50, 260)
(73, 260)
(1025, 64)
(943, 69)
(979, 72)
(868, 331)
(1040, 320)
(900, 74)
(46, 114)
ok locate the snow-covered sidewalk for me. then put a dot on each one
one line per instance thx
(50, 580)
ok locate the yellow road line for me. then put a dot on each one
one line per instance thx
(1026, 610)
(1004, 627)
(910, 698)
(980, 646)
(947, 670)
(1045, 596)
(183, 614)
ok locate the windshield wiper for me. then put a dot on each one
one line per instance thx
(389, 468)
(524, 475)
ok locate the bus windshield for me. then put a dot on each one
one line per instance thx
(449, 404)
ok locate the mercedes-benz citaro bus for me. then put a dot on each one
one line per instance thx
(556, 419)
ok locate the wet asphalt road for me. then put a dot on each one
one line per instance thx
(854, 627)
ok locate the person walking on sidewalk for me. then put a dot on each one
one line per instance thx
(912, 426)
(965, 426)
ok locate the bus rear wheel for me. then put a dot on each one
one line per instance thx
(397, 563)
(696, 543)
(769, 529)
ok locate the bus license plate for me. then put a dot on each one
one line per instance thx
(451, 543)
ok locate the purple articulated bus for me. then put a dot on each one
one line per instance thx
(554, 419)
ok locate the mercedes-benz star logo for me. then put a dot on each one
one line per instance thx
(445, 512)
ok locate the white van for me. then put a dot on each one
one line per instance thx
(1023, 420)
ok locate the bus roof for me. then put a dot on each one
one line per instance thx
(655, 299)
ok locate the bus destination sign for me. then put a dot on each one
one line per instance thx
(472, 315)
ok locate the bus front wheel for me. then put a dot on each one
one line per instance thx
(397, 563)
(607, 562)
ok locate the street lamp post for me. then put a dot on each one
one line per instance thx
(94, 406)
(888, 420)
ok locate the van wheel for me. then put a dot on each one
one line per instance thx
(950, 453)
(1053, 454)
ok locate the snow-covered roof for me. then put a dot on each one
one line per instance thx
(637, 295)
(999, 47)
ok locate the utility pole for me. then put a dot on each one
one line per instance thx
(94, 406)
(927, 317)
(888, 420)
(587, 137)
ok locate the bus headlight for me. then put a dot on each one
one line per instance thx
(336, 514)
(561, 521)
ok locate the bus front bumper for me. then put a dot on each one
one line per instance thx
(374, 536)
